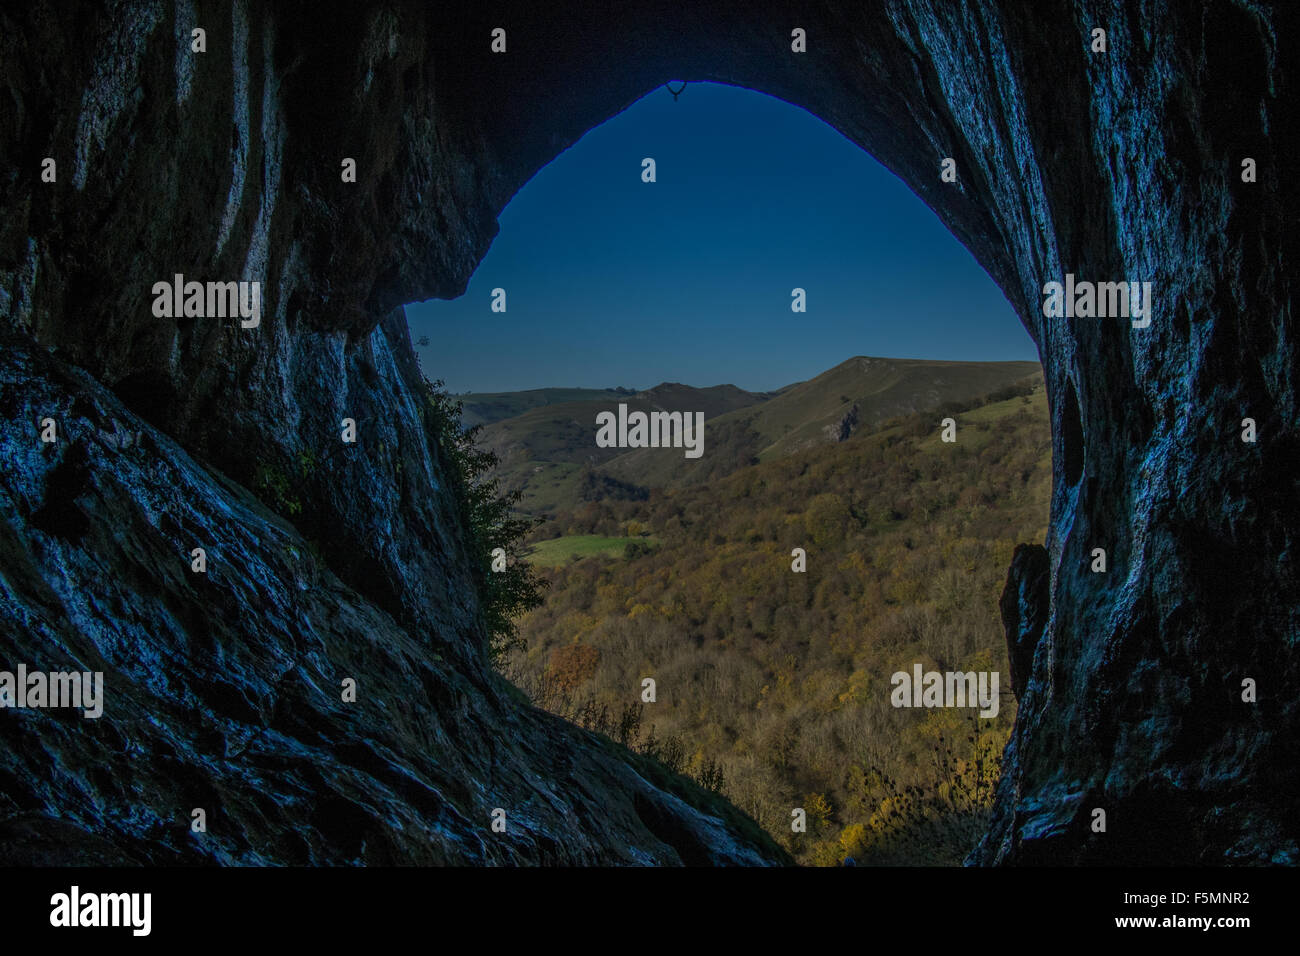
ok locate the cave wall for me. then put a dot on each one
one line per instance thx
(222, 165)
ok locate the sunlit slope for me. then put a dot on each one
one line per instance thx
(857, 395)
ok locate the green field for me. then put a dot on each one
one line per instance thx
(557, 551)
(974, 426)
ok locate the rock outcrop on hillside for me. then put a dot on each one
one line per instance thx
(224, 165)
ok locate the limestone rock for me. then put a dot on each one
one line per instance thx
(226, 165)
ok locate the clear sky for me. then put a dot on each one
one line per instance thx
(613, 281)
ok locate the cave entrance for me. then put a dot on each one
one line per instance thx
(736, 605)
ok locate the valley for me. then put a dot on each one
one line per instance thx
(773, 685)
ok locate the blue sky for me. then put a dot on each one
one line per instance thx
(613, 281)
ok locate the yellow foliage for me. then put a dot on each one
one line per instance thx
(854, 839)
(819, 810)
(825, 853)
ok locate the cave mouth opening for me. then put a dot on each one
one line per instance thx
(828, 536)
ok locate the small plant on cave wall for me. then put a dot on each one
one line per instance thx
(494, 532)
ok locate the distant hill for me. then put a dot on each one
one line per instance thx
(487, 407)
(859, 394)
(548, 449)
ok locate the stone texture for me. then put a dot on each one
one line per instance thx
(226, 164)
(1025, 604)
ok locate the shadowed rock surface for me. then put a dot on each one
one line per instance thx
(224, 165)
(1024, 606)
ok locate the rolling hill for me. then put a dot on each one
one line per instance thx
(549, 452)
(861, 393)
(484, 408)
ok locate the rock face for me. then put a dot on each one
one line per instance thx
(1116, 166)
(844, 428)
(1025, 605)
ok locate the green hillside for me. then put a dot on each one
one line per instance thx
(557, 551)
(544, 439)
(486, 407)
(544, 450)
(855, 395)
